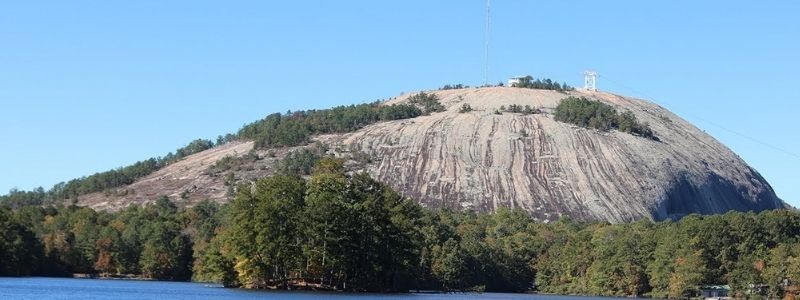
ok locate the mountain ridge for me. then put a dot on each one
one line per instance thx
(485, 159)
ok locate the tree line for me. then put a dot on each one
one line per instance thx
(344, 231)
(103, 181)
(541, 84)
(296, 128)
(154, 241)
(453, 87)
(598, 115)
(276, 130)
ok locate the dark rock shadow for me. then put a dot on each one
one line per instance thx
(714, 195)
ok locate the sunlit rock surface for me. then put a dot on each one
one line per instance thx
(482, 161)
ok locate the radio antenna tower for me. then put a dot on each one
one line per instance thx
(590, 80)
(486, 71)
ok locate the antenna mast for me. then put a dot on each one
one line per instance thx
(486, 72)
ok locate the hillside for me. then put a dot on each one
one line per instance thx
(482, 160)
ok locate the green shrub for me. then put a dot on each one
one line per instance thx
(598, 115)
(429, 102)
(453, 87)
(399, 112)
(516, 108)
(301, 162)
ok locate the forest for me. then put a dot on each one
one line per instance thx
(341, 231)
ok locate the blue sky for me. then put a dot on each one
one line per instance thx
(87, 86)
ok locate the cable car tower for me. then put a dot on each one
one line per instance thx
(590, 80)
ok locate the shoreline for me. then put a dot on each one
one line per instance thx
(115, 277)
(133, 277)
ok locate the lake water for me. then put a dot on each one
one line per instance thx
(69, 288)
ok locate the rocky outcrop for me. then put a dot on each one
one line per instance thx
(481, 160)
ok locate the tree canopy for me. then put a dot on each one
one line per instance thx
(344, 231)
(429, 102)
(295, 128)
(541, 84)
(598, 115)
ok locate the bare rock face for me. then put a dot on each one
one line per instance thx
(483, 161)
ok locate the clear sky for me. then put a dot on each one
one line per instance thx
(87, 86)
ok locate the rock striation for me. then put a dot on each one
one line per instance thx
(481, 160)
